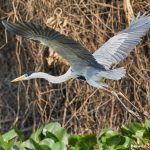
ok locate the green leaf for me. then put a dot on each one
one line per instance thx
(9, 135)
(127, 142)
(51, 136)
(52, 128)
(44, 147)
(134, 127)
(104, 131)
(19, 133)
(139, 134)
(3, 144)
(126, 131)
(35, 144)
(14, 147)
(36, 136)
(108, 135)
(58, 132)
(32, 145)
(147, 124)
(115, 140)
(146, 134)
(83, 142)
(27, 144)
(59, 146)
(48, 142)
(138, 131)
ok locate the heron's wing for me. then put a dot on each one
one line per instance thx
(118, 47)
(72, 51)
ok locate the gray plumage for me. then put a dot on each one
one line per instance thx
(71, 50)
(119, 46)
(91, 67)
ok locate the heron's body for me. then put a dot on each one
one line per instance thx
(92, 67)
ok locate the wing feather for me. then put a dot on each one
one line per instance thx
(118, 47)
(71, 50)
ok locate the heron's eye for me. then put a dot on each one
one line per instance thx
(26, 75)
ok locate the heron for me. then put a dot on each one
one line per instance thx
(83, 64)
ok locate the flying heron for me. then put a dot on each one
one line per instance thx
(83, 64)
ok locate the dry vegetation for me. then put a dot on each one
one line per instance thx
(76, 105)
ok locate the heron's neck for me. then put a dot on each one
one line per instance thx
(53, 79)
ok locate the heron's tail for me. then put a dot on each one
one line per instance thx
(115, 74)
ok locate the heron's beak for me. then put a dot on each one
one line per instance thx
(18, 79)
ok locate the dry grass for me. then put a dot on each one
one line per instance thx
(76, 105)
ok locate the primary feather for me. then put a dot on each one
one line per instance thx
(71, 50)
(118, 47)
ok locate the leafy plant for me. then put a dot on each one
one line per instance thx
(53, 137)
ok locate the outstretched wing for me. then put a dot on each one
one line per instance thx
(72, 51)
(118, 47)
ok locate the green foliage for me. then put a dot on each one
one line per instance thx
(53, 137)
(82, 142)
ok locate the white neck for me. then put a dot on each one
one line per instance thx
(53, 79)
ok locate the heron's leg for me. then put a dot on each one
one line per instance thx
(142, 113)
(111, 91)
(116, 95)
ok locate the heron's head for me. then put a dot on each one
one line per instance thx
(27, 76)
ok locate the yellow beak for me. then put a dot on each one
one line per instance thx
(18, 79)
